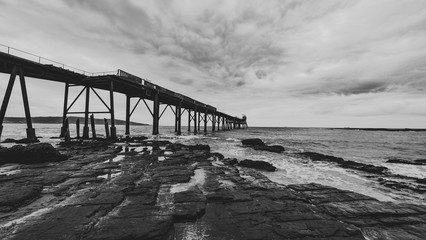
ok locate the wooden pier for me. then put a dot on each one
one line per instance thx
(120, 82)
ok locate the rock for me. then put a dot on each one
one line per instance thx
(258, 144)
(403, 161)
(16, 194)
(322, 157)
(345, 164)
(200, 147)
(230, 161)
(273, 148)
(216, 155)
(33, 153)
(257, 165)
(23, 141)
(253, 142)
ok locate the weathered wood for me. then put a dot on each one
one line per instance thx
(92, 123)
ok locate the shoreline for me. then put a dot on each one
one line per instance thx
(162, 190)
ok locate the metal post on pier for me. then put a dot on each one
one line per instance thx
(86, 115)
(155, 117)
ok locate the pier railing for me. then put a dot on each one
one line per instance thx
(42, 60)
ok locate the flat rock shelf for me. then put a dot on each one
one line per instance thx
(160, 190)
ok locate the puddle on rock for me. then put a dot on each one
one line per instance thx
(164, 196)
(197, 180)
(109, 176)
(9, 170)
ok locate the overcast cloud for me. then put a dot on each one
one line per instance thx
(283, 63)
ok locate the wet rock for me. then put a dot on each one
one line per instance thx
(322, 157)
(199, 147)
(257, 165)
(272, 148)
(34, 153)
(345, 164)
(364, 167)
(217, 155)
(22, 141)
(258, 144)
(253, 142)
(16, 194)
(230, 161)
(403, 161)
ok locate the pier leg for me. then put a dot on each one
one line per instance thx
(189, 120)
(218, 123)
(92, 123)
(213, 122)
(195, 120)
(77, 127)
(199, 121)
(155, 116)
(176, 119)
(7, 97)
(106, 128)
(30, 130)
(127, 133)
(64, 113)
(111, 99)
(179, 119)
(86, 115)
(67, 130)
(205, 122)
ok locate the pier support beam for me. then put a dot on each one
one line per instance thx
(127, 132)
(205, 121)
(178, 118)
(189, 120)
(30, 130)
(195, 120)
(111, 99)
(199, 121)
(86, 115)
(7, 97)
(213, 122)
(155, 115)
(64, 113)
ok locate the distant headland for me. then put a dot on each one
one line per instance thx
(58, 120)
(386, 129)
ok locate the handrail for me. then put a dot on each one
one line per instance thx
(55, 63)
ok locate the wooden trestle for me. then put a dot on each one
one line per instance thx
(121, 82)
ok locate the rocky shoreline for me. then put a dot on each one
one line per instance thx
(161, 190)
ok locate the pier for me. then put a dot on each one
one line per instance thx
(199, 115)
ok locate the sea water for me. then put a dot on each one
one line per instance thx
(369, 147)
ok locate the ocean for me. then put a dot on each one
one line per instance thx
(368, 147)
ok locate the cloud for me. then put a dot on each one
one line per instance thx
(308, 53)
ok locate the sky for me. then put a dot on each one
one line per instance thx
(283, 63)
